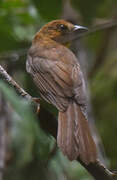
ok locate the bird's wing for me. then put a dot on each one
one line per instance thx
(80, 95)
(53, 80)
(58, 81)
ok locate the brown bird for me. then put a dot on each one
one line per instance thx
(58, 76)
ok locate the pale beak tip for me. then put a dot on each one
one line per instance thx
(80, 28)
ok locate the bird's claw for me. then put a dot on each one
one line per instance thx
(37, 100)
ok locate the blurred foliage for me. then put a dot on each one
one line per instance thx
(25, 129)
(16, 24)
(49, 10)
(104, 95)
(30, 147)
(91, 9)
(88, 12)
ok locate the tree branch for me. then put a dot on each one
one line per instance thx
(100, 27)
(97, 169)
(11, 81)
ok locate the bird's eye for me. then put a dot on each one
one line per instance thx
(62, 27)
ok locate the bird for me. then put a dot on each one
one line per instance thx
(57, 74)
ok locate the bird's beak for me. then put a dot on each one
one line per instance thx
(76, 31)
(80, 29)
(73, 34)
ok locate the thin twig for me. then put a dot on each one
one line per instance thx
(12, 82)
(109, 25)
(97, 169)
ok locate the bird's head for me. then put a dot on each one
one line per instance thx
(61, 31)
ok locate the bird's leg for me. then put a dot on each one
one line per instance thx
(37, 100)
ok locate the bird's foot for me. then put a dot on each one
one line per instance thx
(37, 100)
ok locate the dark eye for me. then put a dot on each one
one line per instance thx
(62, 27)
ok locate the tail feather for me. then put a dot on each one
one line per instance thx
(74, 136)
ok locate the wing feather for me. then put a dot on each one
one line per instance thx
(58, 81)
(52, 88)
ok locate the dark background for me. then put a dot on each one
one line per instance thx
(27, 150)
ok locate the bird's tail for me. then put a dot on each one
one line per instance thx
(74, 136)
